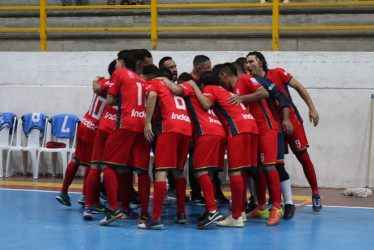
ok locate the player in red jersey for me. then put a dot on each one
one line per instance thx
(298, 142)
(252, 94)
(172, 145)
(126, 149)
(82, 156)
(242, 133)
(210, 145)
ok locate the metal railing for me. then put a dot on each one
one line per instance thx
(154, 28)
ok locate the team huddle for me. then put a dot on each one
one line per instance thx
(240, 110)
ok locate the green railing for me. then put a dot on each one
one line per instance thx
(154, 28)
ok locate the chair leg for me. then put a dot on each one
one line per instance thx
(1, 165)
(33, 163)
(64, 158)
(38, 160)
(7, 164)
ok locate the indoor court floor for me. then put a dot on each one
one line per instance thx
(31, 218)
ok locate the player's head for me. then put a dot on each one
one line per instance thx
(112, 67)
(217, 67)
(256, 63)
(149, 72)
(143, 58)
(239, 68)
(209, 78)
(126, 59)
(228, 75)
(168, 63)
(242, 61)
(165, 73)
(201, 64)
(184, 77)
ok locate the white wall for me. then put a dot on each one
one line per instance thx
(340, 83)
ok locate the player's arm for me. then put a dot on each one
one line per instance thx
(96, 85)
(174, 88)
(313, 114)
(151, 104)
(111, 100)
(258, 95)
(204, 101)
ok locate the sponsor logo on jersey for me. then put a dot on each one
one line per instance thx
(110, 116)
(248, 116)
(271, 87)
(89, 124)
(254, 80)
(135, 113)
(215, 121)
(181, 117)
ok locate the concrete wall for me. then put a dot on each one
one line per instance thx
(340, 83)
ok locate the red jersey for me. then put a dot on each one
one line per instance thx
(109, 117)
(205, 122)
(91, 119)
(246, 85)
(128, 87)
(171, 111)
(281, 78)
(236, 119)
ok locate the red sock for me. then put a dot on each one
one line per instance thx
(207, 188)
(274, 188)
(91, 186)
(245, 185)
(260, 186)
(180, 188)
(236, 184)
(159, 191)
(144, 184)
(309, 171)
(70, 172)
(86, 171)
(111, 187)
(125, 189)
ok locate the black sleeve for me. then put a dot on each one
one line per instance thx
(279, 97)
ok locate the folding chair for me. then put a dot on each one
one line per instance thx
(60, 138)
(7, 127)
(31, 128)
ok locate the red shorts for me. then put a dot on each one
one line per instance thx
(126, 148)
(209, 152)
(297, 140)
(171, 151)
(268, 147)
(83, 152)
(98, 146)
(242, 151)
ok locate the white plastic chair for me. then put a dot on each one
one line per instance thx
(35, 135)
(6, 138)
(60, 128)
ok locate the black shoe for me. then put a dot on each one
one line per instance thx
(151, 224)
(135, 198)
(201, 217)
(110, 216)
(171, 193)
(250, 207)
(317, 203)
(209, 218)
(220, 199)
(181, 218)
(289, 211)
(198, 201)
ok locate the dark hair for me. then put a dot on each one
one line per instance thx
(241, 60)
(161, 63)
(129, 58)
(260, 57)
(112, 67)
(229, 69)
(165, 73)
(150, 69)
(199, 59)
(141, 54)
(239, 67)
(209, 78)
(216, 68)
(184, 77)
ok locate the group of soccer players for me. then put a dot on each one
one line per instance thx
(240, 110)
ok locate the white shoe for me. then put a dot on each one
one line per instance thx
(244, 217)
(231, 222)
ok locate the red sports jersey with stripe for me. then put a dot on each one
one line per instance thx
(204, 122)
(281, 78)
(235, 118)
(128, 87)
(259, 109)
(110, 114)
(171, 111)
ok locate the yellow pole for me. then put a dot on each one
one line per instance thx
(275, 30)
(43, 25)
(154, 24)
